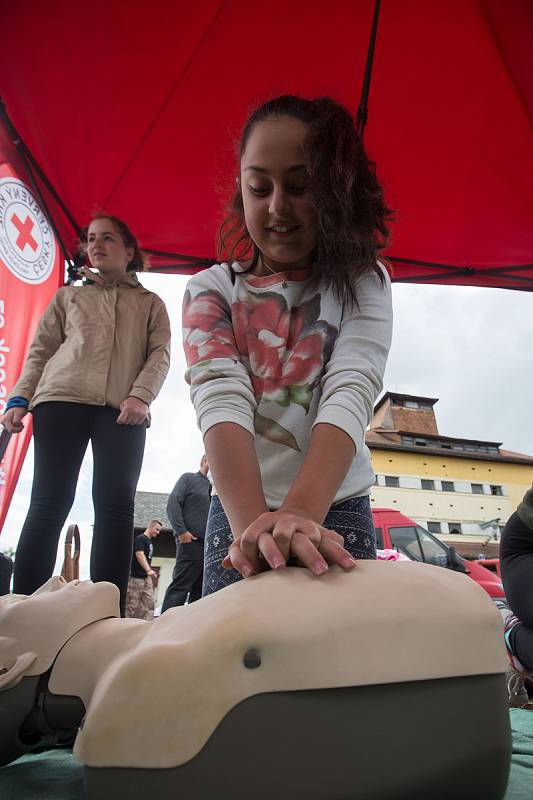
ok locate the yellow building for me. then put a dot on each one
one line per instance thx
(462, 490)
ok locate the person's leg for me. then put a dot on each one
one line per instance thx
(196, 590)
(146, 600)
(135, 599)
(516, 561)
(183, 578)
(353, 520)
(132, 597)
(118, 453)
(60, 434)
(218, 539)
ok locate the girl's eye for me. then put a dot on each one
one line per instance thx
(258, 190)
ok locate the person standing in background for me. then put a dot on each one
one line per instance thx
(140, 595)
(187, 509)
(98, 360)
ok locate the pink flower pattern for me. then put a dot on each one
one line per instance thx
(284, 349)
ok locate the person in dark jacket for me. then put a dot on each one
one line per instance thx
(187, 509)
(516, 560)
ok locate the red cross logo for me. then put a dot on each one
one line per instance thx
(24, 228)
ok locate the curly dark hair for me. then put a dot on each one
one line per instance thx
(139, 261)
(352, 216)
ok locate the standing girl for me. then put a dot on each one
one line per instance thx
(99, 358)
(286, 349)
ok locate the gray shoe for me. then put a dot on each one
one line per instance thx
(516, 690)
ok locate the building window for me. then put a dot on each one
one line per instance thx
(454, 527)
(496, 490)
(427, 484)
(408, 440)
(410, 404)
(477, 488)
(494, 450)
(434, 527)
(446, 445)
(447, 486)
(392, 481)
(420, 442)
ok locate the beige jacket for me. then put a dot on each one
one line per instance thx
(98, 344)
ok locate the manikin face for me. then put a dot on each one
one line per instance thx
(106, 250)
(35, 627)
(277, 208)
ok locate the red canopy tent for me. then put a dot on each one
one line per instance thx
(134, 107)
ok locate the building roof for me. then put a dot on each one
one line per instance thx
(151, 505)
(387, 439)
(398, 396)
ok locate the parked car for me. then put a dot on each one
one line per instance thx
(395, 530)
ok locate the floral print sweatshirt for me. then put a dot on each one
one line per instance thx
(278, 355)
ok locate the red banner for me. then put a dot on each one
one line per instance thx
(30, 272)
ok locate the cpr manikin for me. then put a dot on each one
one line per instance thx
(387, 681)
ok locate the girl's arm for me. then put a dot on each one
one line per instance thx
(48, 338)
(233, 463)
(236, 476)
(328, 459)
(150, 379)
(146, 386)
(351, 384)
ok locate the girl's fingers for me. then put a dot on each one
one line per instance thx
(236, 559)
(304, 550)
(249, 543)
(334, 553)
(282, 537)
(270, 551)
(333, 535)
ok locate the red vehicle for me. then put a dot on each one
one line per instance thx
(396, 531)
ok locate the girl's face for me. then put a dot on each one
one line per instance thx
(106, 249)
(277, 208)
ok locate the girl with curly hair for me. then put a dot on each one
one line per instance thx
(286, 342)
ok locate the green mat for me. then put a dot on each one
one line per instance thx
(56, 775)
(520, 785)
(53, 774)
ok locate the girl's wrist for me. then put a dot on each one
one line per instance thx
(17, 402)
(303, 508)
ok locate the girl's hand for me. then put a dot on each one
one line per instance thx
(12, 419)
(278, 535)
(132, 412)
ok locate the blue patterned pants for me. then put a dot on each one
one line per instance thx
(351, 518)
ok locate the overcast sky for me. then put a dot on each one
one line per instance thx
(472, 348)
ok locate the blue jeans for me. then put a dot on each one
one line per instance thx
(351, 518)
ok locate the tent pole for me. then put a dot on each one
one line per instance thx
(24, 150)
(362, 111)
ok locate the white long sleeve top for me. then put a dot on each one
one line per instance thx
(279, 355)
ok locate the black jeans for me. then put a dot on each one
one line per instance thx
(61, 434)
(187, 576)
(516, 559)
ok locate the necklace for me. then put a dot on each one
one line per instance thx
(284, 283)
